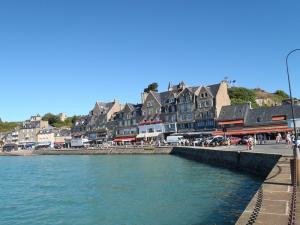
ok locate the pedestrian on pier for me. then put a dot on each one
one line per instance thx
(250, 143)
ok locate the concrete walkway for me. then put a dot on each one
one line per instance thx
(271, 204)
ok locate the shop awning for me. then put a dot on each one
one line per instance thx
(148, 135)
(124, 139)
(254, 131)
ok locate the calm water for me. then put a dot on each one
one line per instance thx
(117, 190)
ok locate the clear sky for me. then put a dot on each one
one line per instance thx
(63, 55)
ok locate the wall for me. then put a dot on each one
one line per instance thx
(255, 163)
(222, 98)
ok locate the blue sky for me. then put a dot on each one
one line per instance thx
(62, 56)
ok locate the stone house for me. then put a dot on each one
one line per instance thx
(46, 136)
(209, 102)
(126, 122)
(199, 107)
(62, 137)
(30, 128)
(185, 109)
(101, 123)
(186, 106)
(80, 126)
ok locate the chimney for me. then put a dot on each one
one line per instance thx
(249, 104)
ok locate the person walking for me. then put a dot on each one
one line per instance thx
(288, 139)
(250, 143)
(278, 138)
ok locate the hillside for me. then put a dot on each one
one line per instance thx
(257, 96)
(8, 126)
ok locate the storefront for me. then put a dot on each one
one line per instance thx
(125, 140)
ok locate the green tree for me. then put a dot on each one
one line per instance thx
(51, 118)
(54, 120)
(240, 95)
(8, 126)
(151, 87)
(282, 94)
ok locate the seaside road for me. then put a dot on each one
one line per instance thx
(270, 147)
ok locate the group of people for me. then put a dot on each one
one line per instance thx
(289, 138)
(260, 139)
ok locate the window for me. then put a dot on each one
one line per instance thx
(149, 104)
(173, 118)
(150, 130)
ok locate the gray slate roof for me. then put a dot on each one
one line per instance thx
(257, 116)
(233, 112)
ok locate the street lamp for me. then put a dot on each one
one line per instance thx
(290, 89)
(296, 150)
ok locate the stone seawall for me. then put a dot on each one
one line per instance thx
(106, 151)
(255, 163)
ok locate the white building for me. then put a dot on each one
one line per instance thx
(151, 131)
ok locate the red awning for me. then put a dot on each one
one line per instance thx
(254, 131)
(124, 139)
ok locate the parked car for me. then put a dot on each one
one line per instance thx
(216, 141)
(58, 146)
(10, 147)
(244, 140)
(235, 140)
(208, 140)
(198, 141)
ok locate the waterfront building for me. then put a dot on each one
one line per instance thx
(28, 133)
(180, 109)
(242, 120)
(151, 130)
(126, 123)
(151, 126)
(190, 111)
(101, 125)
(46, 137)
(62, 137)
(11, 137)
(80, 126)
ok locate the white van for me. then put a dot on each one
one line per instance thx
(175, 140)
(80, 143)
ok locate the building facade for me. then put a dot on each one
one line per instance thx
(101, 125)
(126, 123)
(183, 109)
(240, 120)
(30, 128)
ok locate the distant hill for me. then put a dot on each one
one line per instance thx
(258, 97)
(8, 126)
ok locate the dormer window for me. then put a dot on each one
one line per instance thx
(171, 100)
(149, 104)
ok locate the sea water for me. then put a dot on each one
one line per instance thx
(120, 190)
